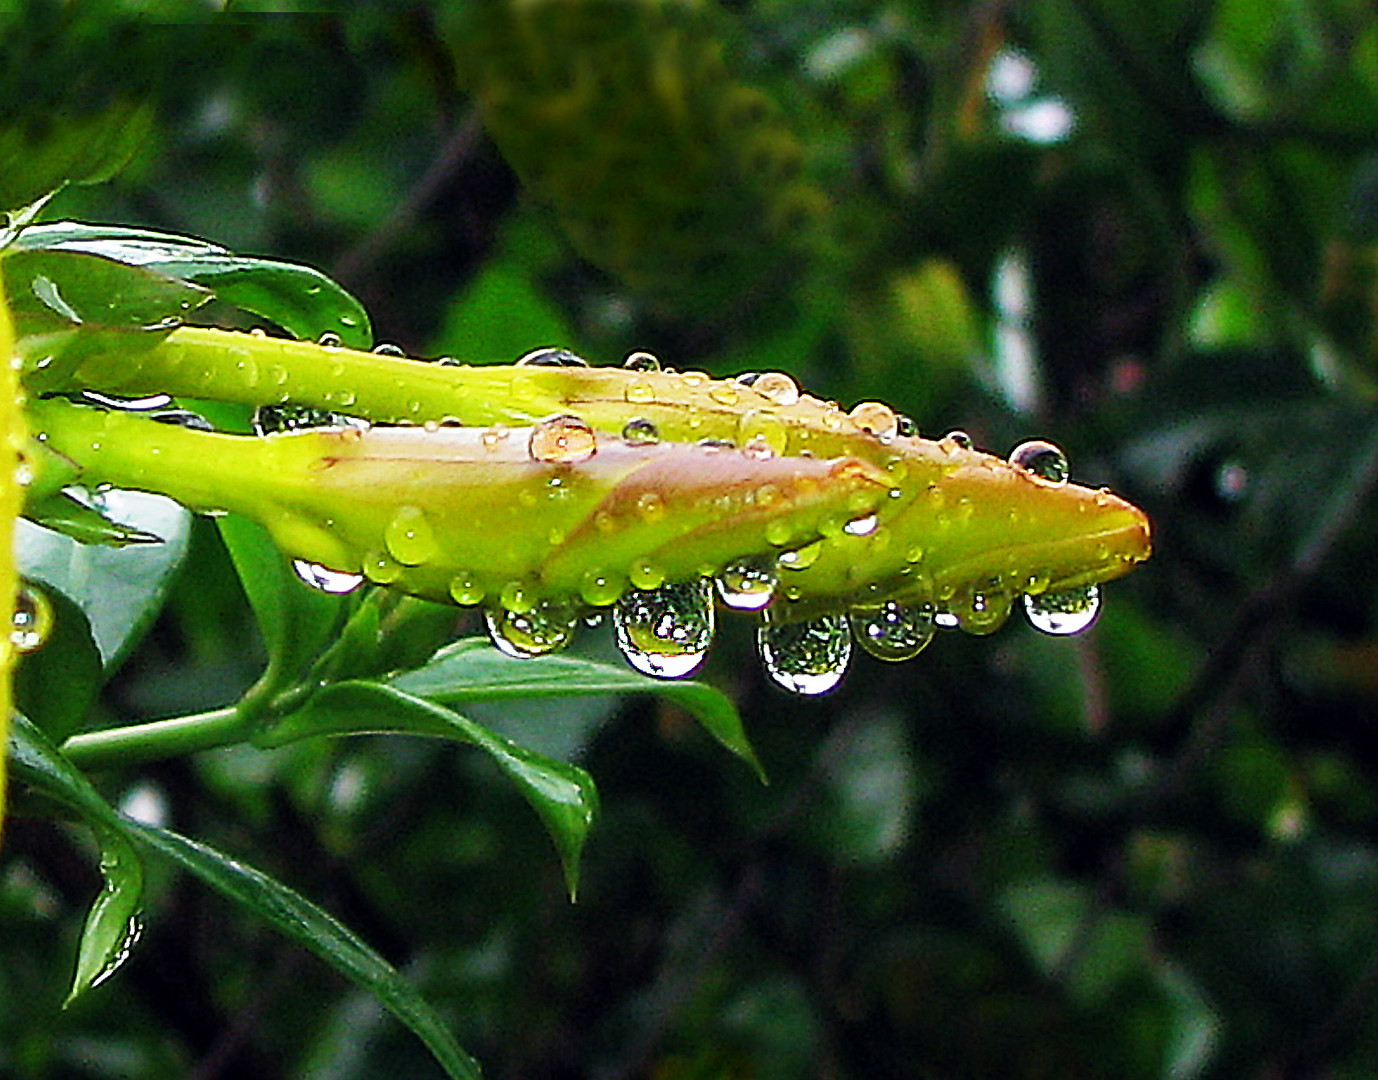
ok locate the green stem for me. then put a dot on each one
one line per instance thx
(173, 737)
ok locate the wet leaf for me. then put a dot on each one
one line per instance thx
(112, 925)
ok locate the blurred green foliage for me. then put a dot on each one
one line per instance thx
(1147, 232)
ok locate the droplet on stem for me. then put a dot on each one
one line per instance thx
(746, 585)
(808, 657)
(666, 631)
(1043, 459)
(551, 357)
(1064, 611)
(562, 440)
(893, 631)
(545, 628)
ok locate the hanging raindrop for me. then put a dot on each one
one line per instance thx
(746, 586)
(1043, 459)
(666, 631)
(32, 620)
(551, 357)
(985, 610)
(1066, 611)
(805, 657)
(336, 582)
(545, 628)
(562, 440)
(893, 631)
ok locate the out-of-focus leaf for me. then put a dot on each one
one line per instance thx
(40, 764)
(56, 684)
(119, 590)
(36, 159)
(563, 795)
(297, 298)
(472, 670)
(50, 288)
(112, 924)
(296, 620)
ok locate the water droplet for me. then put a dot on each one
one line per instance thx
(694, 378)
(639, 392)
(409, 537)
(644, 574)
(985, 610)
(1043, 459)
(330, 340)
(379, 566)
(600, 588)
(545, 628)
(551, 357)
(32, 620)
(746, 585)
(763, 426)
(959, 439)
(516, 596)
(1064, 611)
(387, 348)
(466, 589)
(650, 506)
(801, 558)
(716, 444)
(862, 526)
(320, 577)
(493, 437)
(562, 440)
(893, 631)
(876, 419)
(724, 393)
(638, 431)
(778, 387)
(808, 657)
(666, 631)
(906, 427)
(641, 361)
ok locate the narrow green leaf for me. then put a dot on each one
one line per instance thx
(38, 763)
(299, 299)
(112, 925)
(563, 795)
(472, 670)
(65, 515)
(296, 620)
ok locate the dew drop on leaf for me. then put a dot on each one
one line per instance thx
(959, 439)
(876, 419)
(562, 440)
(1043, 459)
(336, 582)
(552, 357)
(666, 631)
(387, 348)
(724, 393)
(777, 387)
(599, 588)
(644, 574)
(746, 586)
(32, 621)
(1064, 611)
(808, 657)
(638, 431)
(330, 340)
(409, 537)
(893, 631)
(547, 627)
(862, 526)
(466, 589)
(381, 567)
(801, 558)
(641, 361)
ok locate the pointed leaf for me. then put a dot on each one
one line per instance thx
(40, 764)
(299, 299)
(472, 670)
(563, 795)
(112, 925)
(50, 289)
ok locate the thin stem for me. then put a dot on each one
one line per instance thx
(140, 743)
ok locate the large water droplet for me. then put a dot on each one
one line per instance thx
(984, 609)
(562, 440)
(665, 632)
(409, 537)
(893, 631)
(466, 589)
(746, 586)
(321, 577)
(1043, 459)
(641, 361)
(876, 419)
(548, 626)
(381, 567)
(32, 620)
(638, 431)
(777, 386)
(551, 358)
(807, 657)
(1065, 611)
